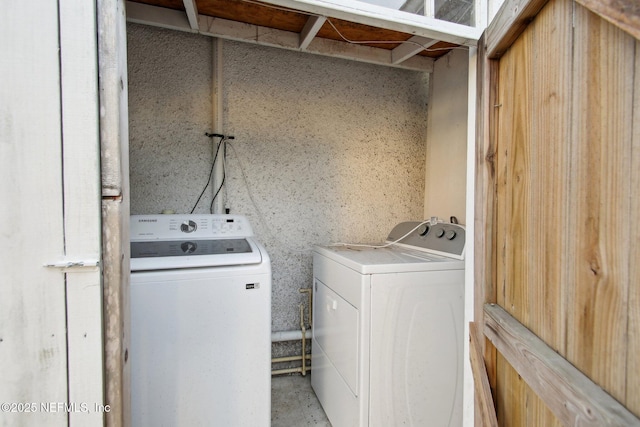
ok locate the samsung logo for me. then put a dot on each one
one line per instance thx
(147, 220)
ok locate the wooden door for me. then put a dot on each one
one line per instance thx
(51, 355)
(558, 204)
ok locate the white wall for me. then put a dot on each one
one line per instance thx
(446, 170)
(332, 150)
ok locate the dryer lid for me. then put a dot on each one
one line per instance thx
(395, 259)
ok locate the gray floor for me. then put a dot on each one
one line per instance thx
(294, 404)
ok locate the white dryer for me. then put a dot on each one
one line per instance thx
(387, 342)
(200, 322)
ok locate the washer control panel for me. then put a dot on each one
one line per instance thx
(440, 238)
(168, 227)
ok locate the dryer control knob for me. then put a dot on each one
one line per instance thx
(451, 234)
(188, 226)
(440, 233)
(423, 230)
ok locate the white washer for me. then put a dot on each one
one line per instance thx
(200, 322)
(387, 346)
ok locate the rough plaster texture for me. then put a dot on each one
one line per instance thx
(169, 111)
(332, 150)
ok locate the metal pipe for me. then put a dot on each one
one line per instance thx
(290, 358)
(218, 110)
(303, 335)
(295, 335)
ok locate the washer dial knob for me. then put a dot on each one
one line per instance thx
(440, 233)
(451, 234)
(188, 247)
(188, 226)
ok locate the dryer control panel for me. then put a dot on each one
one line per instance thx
(441, 238)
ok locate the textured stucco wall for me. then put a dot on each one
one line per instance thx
(169, 111)
(332, 150)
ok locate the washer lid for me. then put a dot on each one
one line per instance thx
(175, 254)
(387, 260)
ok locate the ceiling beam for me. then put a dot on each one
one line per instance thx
(411, 47)
(231, 30)
(192, 13)
(387, 18)
(139, 13)
(311, 28)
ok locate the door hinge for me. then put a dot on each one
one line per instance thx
(74, 264)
